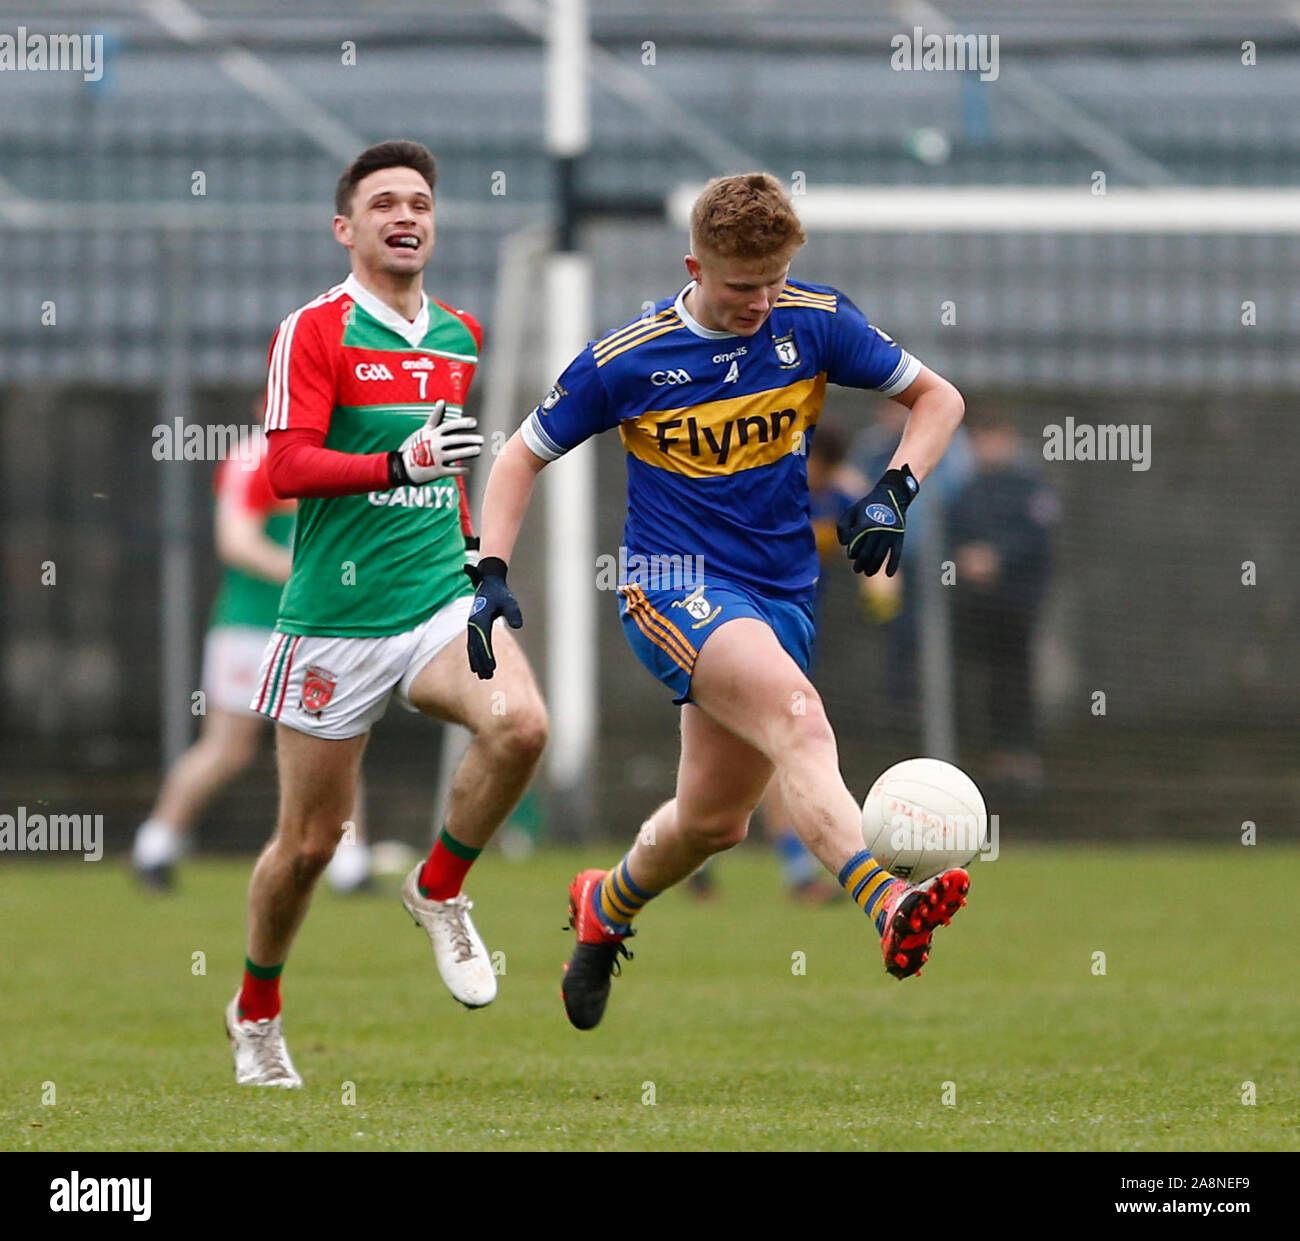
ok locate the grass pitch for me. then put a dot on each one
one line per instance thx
(745, 1023)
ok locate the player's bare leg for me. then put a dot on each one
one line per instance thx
(746, 682)
(349, 868)
(720, 779)
(227, 744)
(507, 720)
(318, 779)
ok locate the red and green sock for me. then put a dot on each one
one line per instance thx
(445, 870)
(260, 995)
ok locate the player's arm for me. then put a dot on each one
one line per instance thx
(244, 502)
(575, 409)
(505, 504)
(507, 496)
(861, 355)
(300, 391)
(242, 544)
(937, 409)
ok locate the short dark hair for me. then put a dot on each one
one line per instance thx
(396, 153)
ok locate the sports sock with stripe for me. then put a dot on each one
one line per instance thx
(618, 900)
(446, 867)
(869, 884)
(260, 995)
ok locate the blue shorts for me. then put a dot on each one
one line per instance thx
(667, 628)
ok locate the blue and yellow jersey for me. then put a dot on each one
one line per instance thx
(717, 427)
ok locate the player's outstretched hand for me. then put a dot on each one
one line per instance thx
(492, 598)
(873, 528)
(436, 450)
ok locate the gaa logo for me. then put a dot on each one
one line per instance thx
(883, 514)
(660, 378)
(372, 370)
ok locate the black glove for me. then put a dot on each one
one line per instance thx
(492, 598)
(873, 528)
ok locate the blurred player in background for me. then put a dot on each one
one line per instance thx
(254, 528)
(714, 394)
(365, 426)
(1001, 534)
(894, 602)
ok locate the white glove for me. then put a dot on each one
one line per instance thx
(436, 450)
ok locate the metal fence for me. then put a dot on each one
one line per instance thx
(1172, 589)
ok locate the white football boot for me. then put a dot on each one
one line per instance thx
(461, 956)
(261, 1058)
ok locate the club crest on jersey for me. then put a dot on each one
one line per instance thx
(786, 350)
(698, 608)
(552, 399)
(317, 689)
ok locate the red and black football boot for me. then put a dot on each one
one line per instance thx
(595, 959)
(913, 914)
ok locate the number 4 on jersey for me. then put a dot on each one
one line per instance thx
(733, 373)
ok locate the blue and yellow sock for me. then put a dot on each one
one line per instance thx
(618, 900)
(864, 879)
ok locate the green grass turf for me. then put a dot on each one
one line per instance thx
(1199, 996)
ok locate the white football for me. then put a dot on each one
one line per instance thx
(924, 816)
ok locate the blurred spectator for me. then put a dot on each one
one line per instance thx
(1000, 532)
(894, 602)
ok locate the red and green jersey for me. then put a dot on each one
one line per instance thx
(242, 598)
(350, 367)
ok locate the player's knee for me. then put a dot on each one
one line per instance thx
(718, 832)
(804, 732)
(519, 736)
(310, 846)
(313, 855)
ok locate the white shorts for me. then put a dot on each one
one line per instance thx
(338, 687)
(232, 655)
